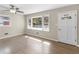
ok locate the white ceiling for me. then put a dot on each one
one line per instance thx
(33, 8)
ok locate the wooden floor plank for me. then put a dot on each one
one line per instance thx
(32, 45)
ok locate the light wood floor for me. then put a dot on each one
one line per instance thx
(32, 45)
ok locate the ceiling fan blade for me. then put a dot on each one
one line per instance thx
(17, 9)
(20, 11)
(4, 10)
(12, 5)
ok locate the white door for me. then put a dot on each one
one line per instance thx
(67, 27)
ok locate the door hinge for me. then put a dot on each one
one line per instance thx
(75, 40)
(75, 14)
(75, 27)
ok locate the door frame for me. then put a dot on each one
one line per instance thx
(75, 11)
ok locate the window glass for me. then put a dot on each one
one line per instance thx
(4, 21)
(46, 23)
(37, 22)
(29, 22)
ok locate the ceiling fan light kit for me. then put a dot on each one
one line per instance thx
(12, 11)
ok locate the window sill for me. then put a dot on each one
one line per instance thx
(40, 29)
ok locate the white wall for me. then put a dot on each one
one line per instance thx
(17, 26)
(52, 34)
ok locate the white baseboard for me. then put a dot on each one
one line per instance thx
(70, 44)
(54, 40)
(8, 36)
(44, 37)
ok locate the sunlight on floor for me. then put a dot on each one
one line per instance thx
(44, 42)
(26, 36)
(33, 38)
(47, 43)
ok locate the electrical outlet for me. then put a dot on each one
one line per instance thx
(5, 33)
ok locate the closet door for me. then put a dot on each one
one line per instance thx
(67, 27)
(62, 28)
(72, 27)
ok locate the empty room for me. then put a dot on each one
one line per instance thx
(39, 29)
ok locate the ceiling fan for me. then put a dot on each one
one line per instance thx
(14, 9)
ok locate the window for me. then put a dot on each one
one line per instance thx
(46, 23)
(1, 21)
(29, 23)
(4, 21)
(38, 23)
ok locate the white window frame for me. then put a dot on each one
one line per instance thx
(32, 24)
(41, 29)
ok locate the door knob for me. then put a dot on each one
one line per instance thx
(59, 29)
